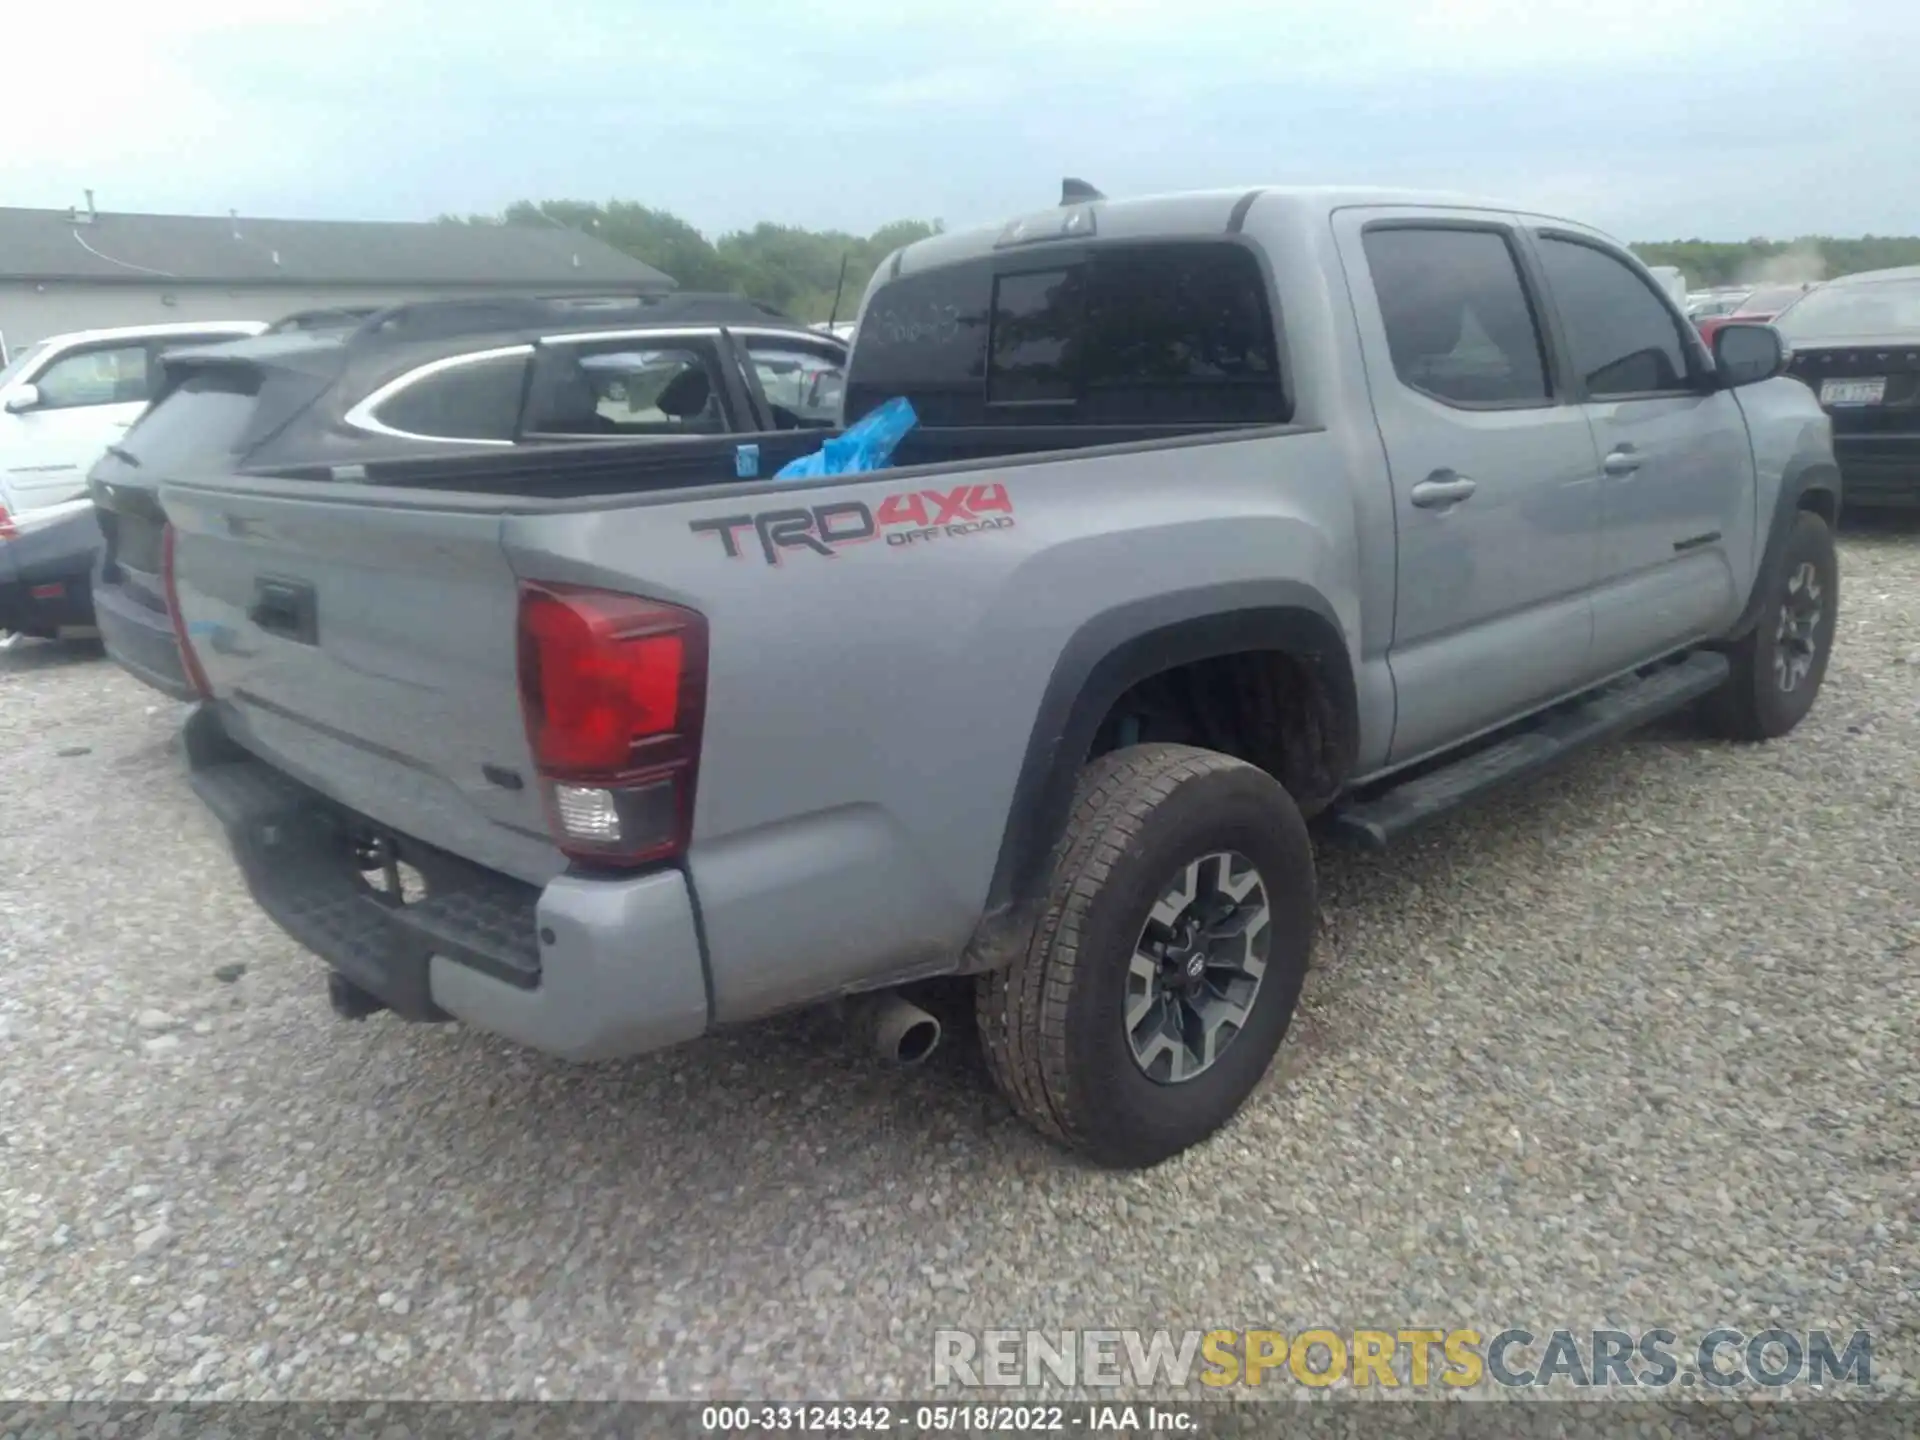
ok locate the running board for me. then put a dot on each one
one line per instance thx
(1614, 709)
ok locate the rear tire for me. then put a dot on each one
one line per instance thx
(1779, 664)
(1167, 960)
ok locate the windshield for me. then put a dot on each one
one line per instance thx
(19, 364)
(1874, 308)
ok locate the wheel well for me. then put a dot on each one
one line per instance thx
(1270, 708)
(1821, 503)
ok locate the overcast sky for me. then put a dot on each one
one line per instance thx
(1717, 118)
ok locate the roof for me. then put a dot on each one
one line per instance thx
(1193, 212)
(1875, 277)
(153, 332)
(478, 315)
(402, 337)
(38, 245)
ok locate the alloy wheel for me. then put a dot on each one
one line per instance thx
(1197, 967)
(1794, 641)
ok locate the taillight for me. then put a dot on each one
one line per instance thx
(613, 688)
(8, 530)
(196, 676)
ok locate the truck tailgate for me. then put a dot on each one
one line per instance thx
(369, 651)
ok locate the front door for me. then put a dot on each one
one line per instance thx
(1677, 518)
(88, 396)
(1494, 474)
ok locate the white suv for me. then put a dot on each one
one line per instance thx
(66, 398)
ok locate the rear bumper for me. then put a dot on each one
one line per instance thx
(44, 605)
(584, 969)
(140, 640)
(46, 577)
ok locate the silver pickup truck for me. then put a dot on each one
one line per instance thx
(1225, 512)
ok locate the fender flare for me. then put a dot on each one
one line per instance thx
(1816, 478)
(1118, 648)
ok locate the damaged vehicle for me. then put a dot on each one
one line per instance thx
(1225, 513)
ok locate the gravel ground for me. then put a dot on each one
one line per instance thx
(1633, 1045)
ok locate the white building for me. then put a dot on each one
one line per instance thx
(64, 270)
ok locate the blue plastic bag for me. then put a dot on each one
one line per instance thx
(867, 445)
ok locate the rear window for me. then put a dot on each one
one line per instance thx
(1165, 334)
(201, 423)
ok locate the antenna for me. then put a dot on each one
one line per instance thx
(834, 314)
(1077, 192)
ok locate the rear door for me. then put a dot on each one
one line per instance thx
(89, 395)
(1677, 487)
(1493, 471)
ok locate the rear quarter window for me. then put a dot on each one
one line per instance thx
(1178, 335)
(476, 399)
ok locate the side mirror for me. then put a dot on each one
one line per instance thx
(1744, 354)
(22, 397)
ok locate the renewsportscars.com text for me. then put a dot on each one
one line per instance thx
(1409, 1357)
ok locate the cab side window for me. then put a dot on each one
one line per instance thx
(1624, 339)
(1459, 323)
(105, 375)
(637, 386)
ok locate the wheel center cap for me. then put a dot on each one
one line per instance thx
(1196, 965)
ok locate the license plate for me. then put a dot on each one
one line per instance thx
(1853, 392)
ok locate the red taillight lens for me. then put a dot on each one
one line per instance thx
(613, 688)
(8, 530)
(196, 676)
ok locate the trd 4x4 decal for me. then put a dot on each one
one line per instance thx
(910, 517)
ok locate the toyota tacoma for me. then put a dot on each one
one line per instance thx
(1225, 512)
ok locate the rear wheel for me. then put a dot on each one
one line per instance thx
(1779, 664)
(1167, 961)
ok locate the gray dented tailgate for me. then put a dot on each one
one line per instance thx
(369, 651)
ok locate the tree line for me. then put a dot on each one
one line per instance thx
(800, 270)
(1812, 257)
(797, 270)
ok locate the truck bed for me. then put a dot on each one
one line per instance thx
(604, 468)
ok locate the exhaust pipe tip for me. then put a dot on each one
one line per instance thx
(900, 1032)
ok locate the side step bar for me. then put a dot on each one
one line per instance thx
(1626, 704)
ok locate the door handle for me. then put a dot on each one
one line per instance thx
(287, 609)
(1621, 461)
(1441, 489)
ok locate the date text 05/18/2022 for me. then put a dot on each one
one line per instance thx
(965, 1418)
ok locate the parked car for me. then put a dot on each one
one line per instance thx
(46, 569)
(1227, 510)
(1672, 279)
(420, 380)
(1856, 342)
(1758, 305)
(68, 397)
(1720, 300)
